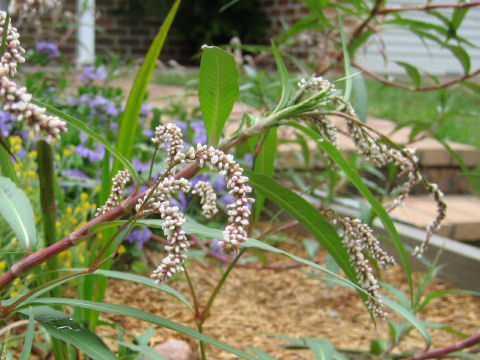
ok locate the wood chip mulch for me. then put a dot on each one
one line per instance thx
(255, 303)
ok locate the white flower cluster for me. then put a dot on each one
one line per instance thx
(177, 243)
(315, 83)
(13, 54)
(235, 233)
(435, 223)
(17, 102)
(28, 8)
(116, 194)
(208, 198)
(358, 238)
(163, 192)
(172, 135)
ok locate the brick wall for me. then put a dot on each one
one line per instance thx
(117, 33)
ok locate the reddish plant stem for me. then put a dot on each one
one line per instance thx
(425, 7)
(414, 88)
(437, 353)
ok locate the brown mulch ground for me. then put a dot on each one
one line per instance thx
(254, 303)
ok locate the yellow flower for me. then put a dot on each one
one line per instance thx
(14, 293)
(3, 265)
(83, 196)
(69, 211)
(121, 250)
(32, 154)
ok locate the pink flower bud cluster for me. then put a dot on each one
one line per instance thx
(163, 192)
(13, 51)
(172, 135)
(208, 198)
(116, 194)
(357, 239)
(17, 102)
(177, 243)
(235, 232)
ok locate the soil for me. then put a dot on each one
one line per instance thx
(254, 303)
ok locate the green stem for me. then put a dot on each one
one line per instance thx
(151, 163)
(206, 311)
(46, 177)
(203, 354)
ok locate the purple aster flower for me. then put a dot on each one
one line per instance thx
(111, 109)
(72, 101)
(197, 178)
(248, 159)
(139, 166)
(6, 123)
(92, 155)
(75, 173)
(48, 48)
(182, 125)
(148, 133)
(83, 137)
(145, 111)
(90, 73)
(139, 236)
(219, 184)
(199, 133)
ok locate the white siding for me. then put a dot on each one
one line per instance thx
(402, 45)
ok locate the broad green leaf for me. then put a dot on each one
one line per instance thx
(356, 180)
(140, 280)
(412, 72)
(144, 316)
(217, 90)
(264, 164)
(321, 348)
(81, 126)
(308, 216)
(410, 317)
(27, 345)
(284, 79)
(462, 56)
(6, 165)
(129, 121)
(472, 86)
(17, 211)
(66, 329)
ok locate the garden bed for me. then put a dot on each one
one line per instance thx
(254, 303)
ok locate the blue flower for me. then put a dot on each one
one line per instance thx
(92, 155)
(6, 123)
(219, 184)
(181, 202)
(226, 200)
(139, 236)
(199, 133)
(90, 73)
(48, 48)
(75, 173)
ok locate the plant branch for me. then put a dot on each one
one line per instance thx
(437, 353)
(414, 88)
(426, 7)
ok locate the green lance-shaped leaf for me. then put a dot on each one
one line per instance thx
(217, 90)
(412, 72)
(129, 121)
(64, 328)
(145, 316)
(309, 217)
(462, 56)
(264, 164)
(27, 345)
(17, 211)
(284, 79)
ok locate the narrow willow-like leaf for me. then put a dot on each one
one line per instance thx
(410, 317)
(129, 122)
(140, 280)
(346, 63)
(145, 316)
(260, 354)
(309, 217)
(284, 79)
(27, 345)
(217, 90)
(81, 126)
(264, 164)
(192, 227)
(356, 180)
(412, 72)
(17, 211)
(66, 329)
(462, 56)
(360, 96)
(436, 294)
(6, 165)
(321, 348)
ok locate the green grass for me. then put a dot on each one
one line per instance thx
(454, 112)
